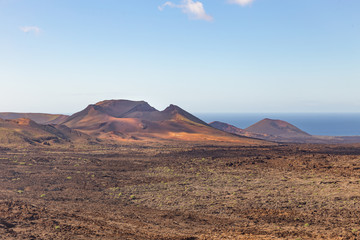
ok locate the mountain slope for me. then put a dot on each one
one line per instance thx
(41, 118)
(241, 132)
(22, 130)
(124, 120)
(227, 128)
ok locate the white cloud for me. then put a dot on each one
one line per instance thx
(194, 9)
(167, 4)
(241, 2)
(31, 29)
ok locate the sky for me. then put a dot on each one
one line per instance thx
(231, 56)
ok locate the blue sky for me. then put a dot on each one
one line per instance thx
(205, 56)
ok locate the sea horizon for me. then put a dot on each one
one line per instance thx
(324, 124)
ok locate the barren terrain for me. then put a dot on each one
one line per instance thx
(180, 191)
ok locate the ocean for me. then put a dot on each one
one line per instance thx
(326, 124)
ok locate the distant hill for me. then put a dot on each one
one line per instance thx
(22, 130)
(137, 120)
(281, 131)
(41, 118)
(277, 128)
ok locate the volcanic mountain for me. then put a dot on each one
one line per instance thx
(137, 120)
(41, 118)
(277, 128)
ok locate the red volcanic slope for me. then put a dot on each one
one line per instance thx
(127, 116)
(24, 130)
(138, 120)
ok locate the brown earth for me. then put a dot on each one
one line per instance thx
(180, 191)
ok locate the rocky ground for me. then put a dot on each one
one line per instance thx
(180, 192)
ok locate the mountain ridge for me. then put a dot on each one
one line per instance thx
(41, 118)
(127, 120)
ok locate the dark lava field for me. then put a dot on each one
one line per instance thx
(172, 191)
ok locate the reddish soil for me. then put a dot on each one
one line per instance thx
(180, 192)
